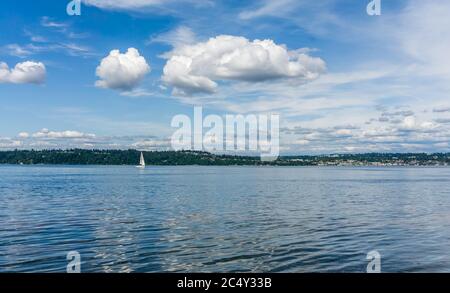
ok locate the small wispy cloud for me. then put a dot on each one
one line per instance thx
(64, 28)
(71, 49)
(441, 110)
(141, 5)
(178, 37)
(18, 50)
(137, 93)
(47, 22)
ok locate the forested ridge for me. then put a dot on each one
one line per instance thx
(131, 157)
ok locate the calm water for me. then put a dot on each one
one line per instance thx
(224, 219)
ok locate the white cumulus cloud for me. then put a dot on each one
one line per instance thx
(25, 72)
(197, 68)
(122, 71)
(68, 134)
(23, 135)
(7, 143)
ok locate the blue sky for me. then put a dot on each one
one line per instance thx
(353, 83)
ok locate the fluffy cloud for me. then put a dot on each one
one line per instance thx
(418, 137)
(410, 123)
(122, 71)
(197, 68)
(7, 143)
(344, 132)
(47, 134)
(25, 72)
(23, 135)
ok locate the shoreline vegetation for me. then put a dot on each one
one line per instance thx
(185, 158)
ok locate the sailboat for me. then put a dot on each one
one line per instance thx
(141, 162)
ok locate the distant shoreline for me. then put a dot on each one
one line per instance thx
(80, 157)
(243, 166)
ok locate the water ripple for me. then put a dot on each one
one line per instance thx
(224, 219)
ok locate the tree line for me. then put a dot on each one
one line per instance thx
(173, 158)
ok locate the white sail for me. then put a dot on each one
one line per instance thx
(142, 161)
